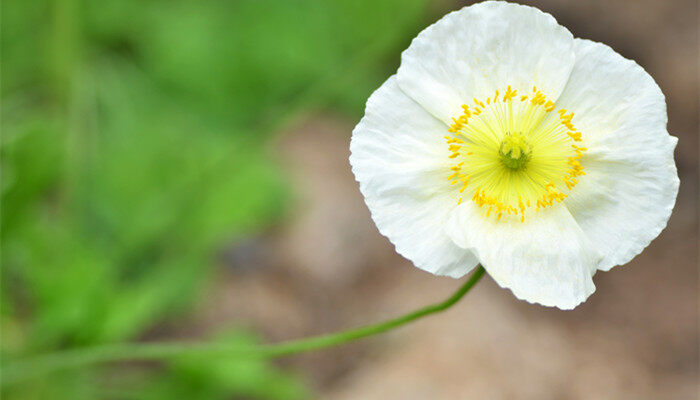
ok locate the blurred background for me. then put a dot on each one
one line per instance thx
(177, 170)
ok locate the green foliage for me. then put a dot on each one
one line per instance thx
(197, 377)
(136, 144)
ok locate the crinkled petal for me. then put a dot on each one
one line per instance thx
(546, 260)
(399, 158)
(629, 190)
(474, 51)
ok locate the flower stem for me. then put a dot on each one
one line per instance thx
(39, 365)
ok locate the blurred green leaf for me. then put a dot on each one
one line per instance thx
(136, 145)
(196, 377)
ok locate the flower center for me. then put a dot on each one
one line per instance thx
(513, 153)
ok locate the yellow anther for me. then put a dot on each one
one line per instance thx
(544, 180)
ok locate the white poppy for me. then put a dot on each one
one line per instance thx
(505, 141)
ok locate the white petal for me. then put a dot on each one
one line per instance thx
(629, 190)
(478, 49)
(399, 158)
(546, 260)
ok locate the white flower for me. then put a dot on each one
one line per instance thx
(505, 141)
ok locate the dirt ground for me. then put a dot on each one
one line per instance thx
(328, 268)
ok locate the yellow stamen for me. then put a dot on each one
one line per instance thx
(514, 155)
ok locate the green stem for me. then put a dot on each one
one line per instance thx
(39, 365)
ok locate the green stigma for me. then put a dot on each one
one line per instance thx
(515, 151)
